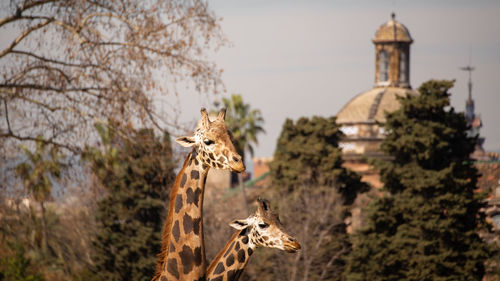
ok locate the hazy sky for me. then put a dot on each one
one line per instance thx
(303, 58)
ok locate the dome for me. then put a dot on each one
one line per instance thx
(371, 105)
(392, 31)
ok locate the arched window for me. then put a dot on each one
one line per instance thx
(403, 67)
(383, 63)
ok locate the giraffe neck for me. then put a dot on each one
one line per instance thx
(183, 250)
(231, 261)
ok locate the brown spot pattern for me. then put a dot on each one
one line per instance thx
(231, 274)
(237, 274)
(187, 223)
(176, 232)
(187, 259)
(229, 250)
(183, 180)
(241, 255)
(197, 256)
(178, 203)
(197, 226)
(193, 196)
(230, 260)
(195, 174)
(172, 268)
(219, 269)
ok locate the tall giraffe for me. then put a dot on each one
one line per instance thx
(182, 254)
(260, 229)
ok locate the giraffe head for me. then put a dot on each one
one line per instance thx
(265, 229)
(213, 144)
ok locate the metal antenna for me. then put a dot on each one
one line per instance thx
(469, 69)
(469, 103)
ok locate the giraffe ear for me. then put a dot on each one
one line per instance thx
(263, 205)
(222, 114)
(239, 224)
(205, 121)
(185, 141)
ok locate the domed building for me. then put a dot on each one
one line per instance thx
(360, 115)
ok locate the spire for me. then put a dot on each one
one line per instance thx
(393, 16)
(469, 104)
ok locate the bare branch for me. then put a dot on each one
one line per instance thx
(22, 36)
(85, 65)
(74, 149)
(330, 262)
(74, 64)
(7, 116)
(24, 7)
(37, 67)
(50, 88)
(110, 15)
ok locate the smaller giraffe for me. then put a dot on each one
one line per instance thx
(260, 229)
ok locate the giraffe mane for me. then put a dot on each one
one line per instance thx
(166, 235)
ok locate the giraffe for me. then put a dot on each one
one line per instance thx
(260, 229)
(182, 254)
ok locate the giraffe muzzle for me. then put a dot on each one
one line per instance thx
(237, 166)
(292, 247)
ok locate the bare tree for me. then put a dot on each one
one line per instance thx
(72, 63)
(315, 215)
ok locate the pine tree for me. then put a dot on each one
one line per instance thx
(134, 173)
(307, 153)
(313, 193)
(426, 225)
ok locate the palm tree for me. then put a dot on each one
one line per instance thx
(245, 124)
(36, 171)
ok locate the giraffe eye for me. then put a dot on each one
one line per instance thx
(208, 142)
(263, 225)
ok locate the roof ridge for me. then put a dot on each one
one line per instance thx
(375, 105)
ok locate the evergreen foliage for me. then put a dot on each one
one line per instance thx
(313, 192)
(244, 123)
(36, 171)
(426, 226)
(16, 267)
(135, 172)
(307, 153)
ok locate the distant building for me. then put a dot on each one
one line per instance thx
(475, 124)
(359, 118)
(360, 115)
(261, 170)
